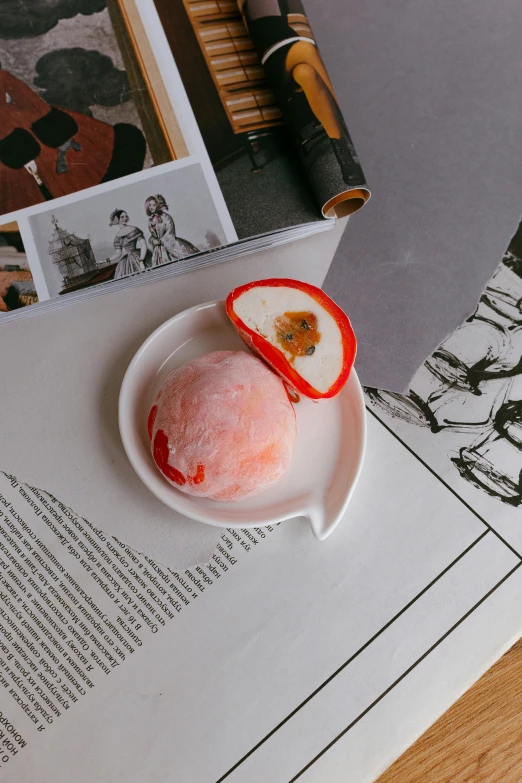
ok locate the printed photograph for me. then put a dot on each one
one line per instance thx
(16, 281)
(159, 220)
(76, 103)
(259, 171)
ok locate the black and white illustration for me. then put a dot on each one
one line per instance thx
(158, 220)
(465, 403)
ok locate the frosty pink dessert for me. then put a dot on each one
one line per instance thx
(222, 426)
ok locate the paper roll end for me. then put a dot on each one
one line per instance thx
(346, 203)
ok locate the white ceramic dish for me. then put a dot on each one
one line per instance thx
(329, 449)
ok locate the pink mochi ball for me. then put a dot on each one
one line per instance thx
(222, 426)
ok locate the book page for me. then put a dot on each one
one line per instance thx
(284, 661)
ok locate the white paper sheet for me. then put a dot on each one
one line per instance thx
(289, 659)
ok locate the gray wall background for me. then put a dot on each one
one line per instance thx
(431, 92)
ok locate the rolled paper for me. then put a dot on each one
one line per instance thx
(290, 58)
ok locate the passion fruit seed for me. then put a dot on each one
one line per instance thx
(297, 333)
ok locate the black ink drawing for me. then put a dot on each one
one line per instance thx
(472, 384)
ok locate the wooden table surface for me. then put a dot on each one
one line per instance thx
(478, 740)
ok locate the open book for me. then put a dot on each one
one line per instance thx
(139, 140)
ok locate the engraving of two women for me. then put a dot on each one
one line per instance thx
(133, 254)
